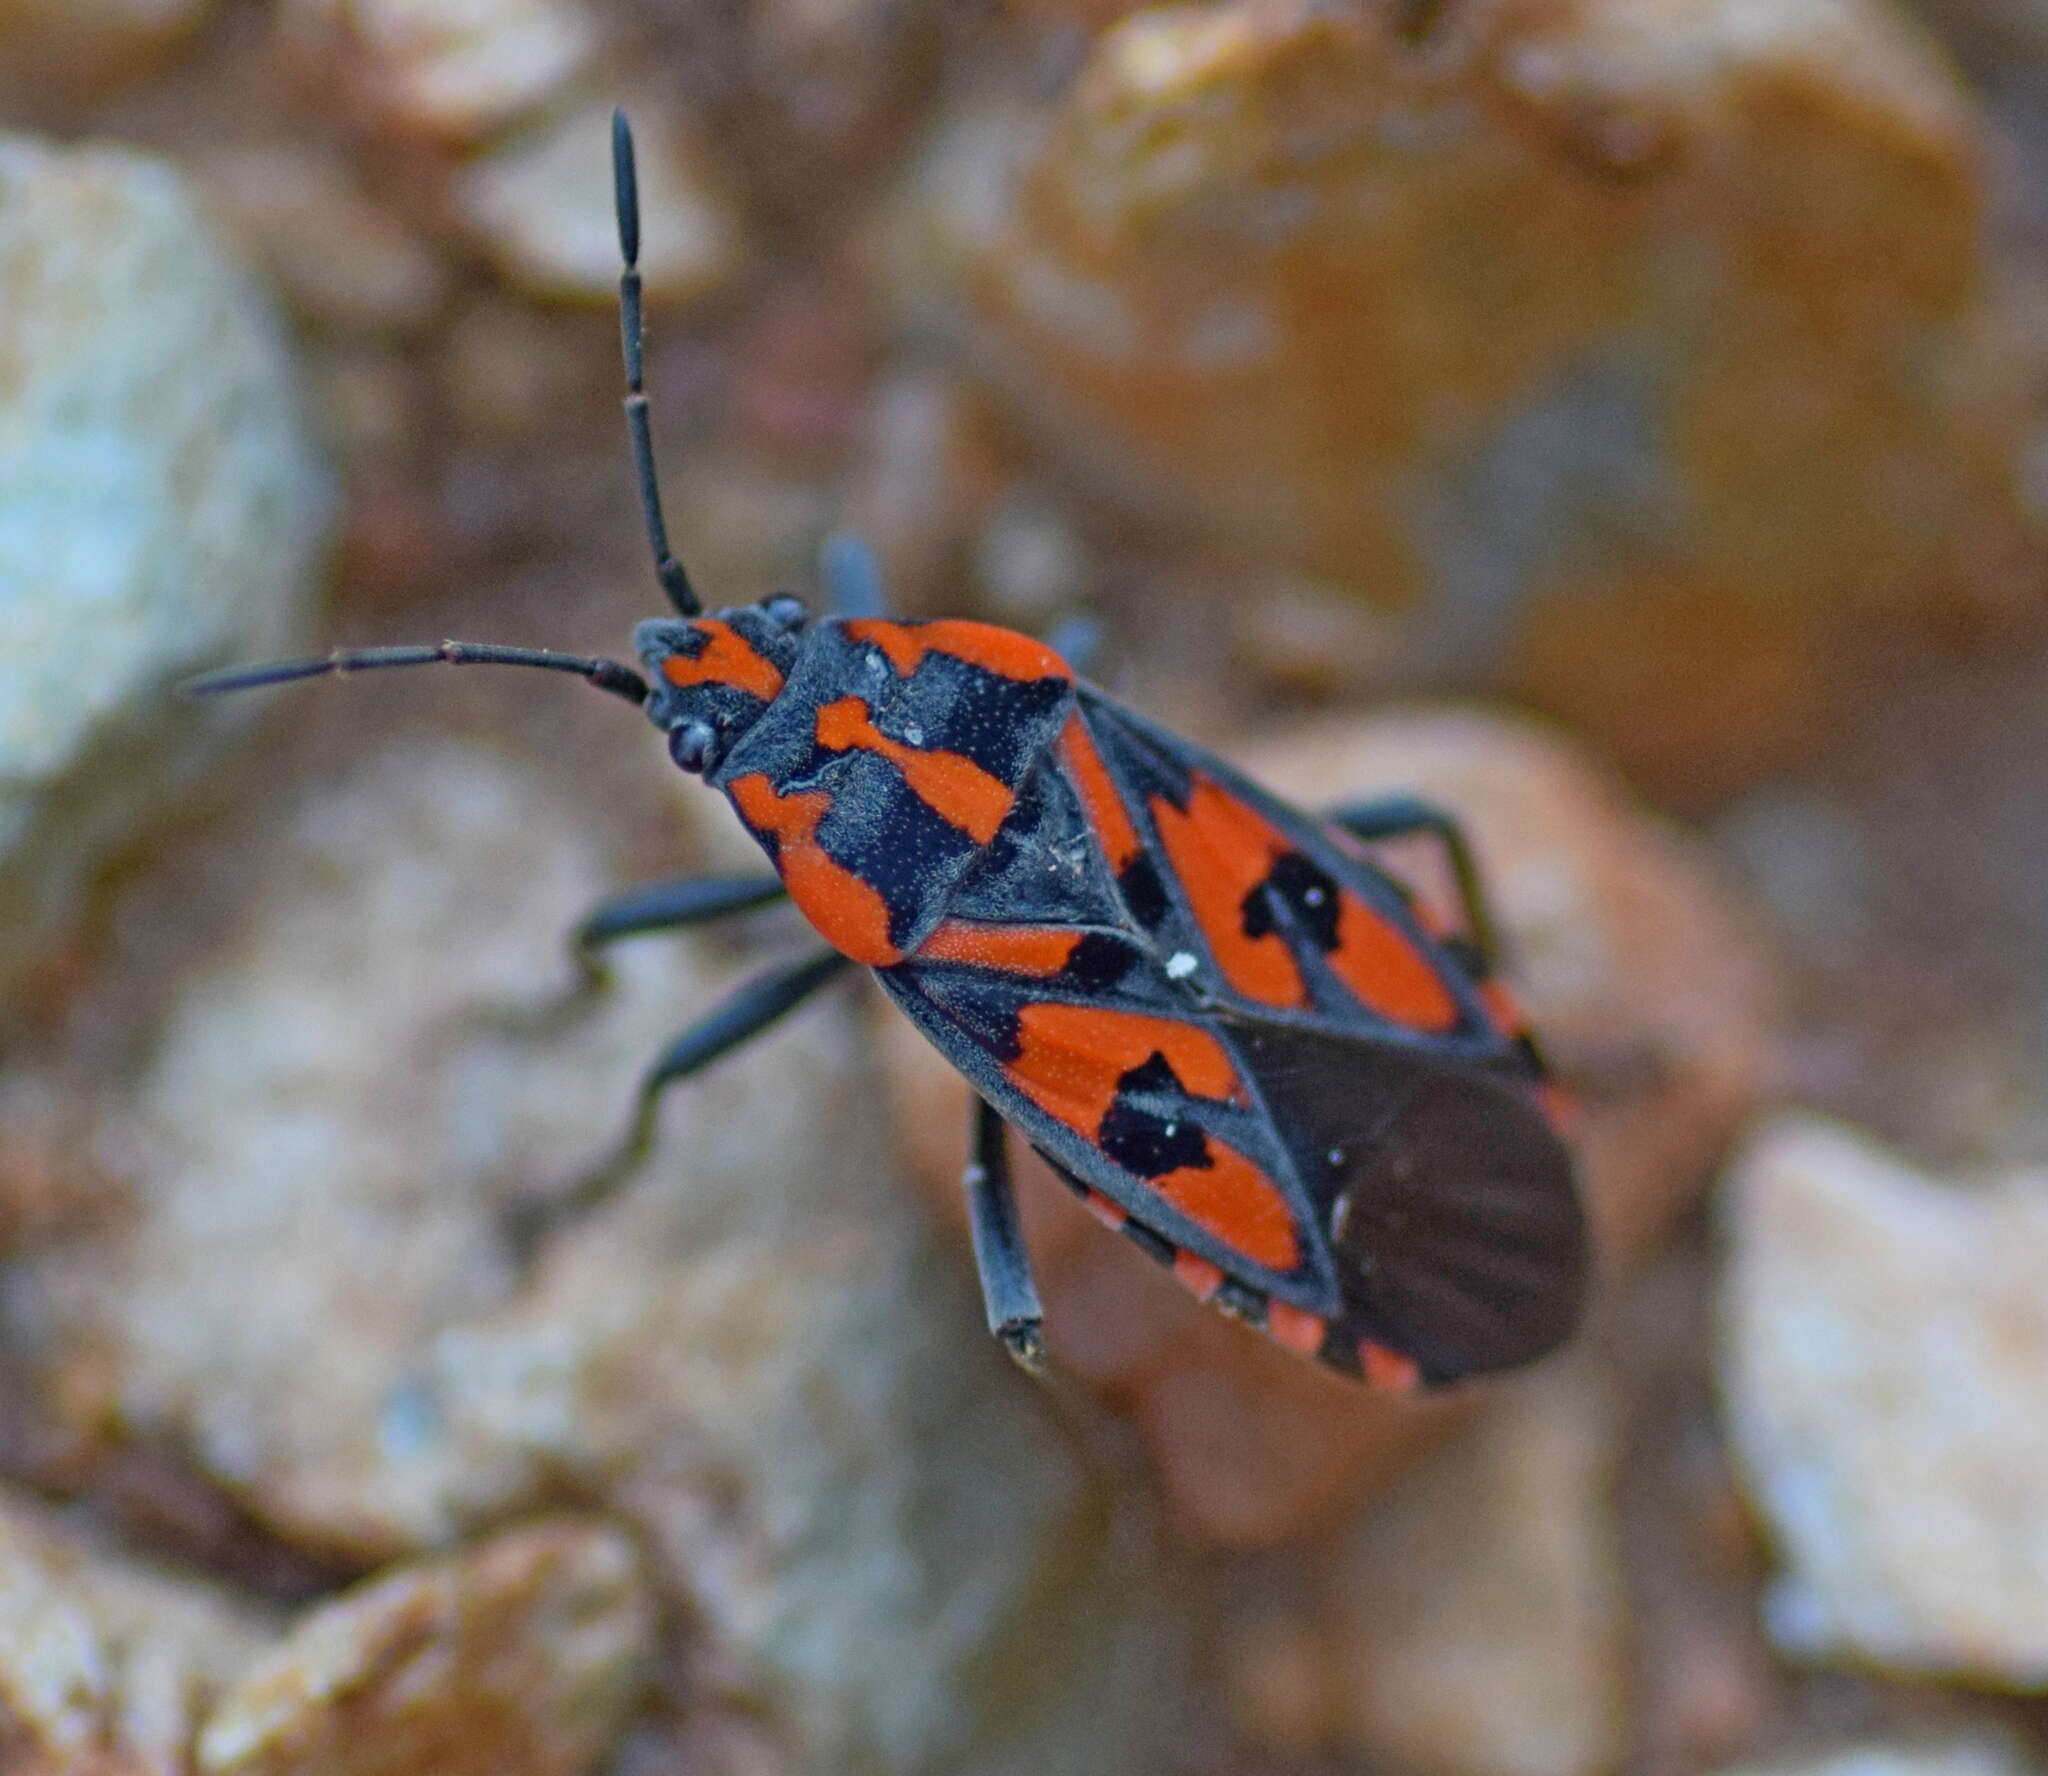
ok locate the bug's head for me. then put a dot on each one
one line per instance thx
(711, 678)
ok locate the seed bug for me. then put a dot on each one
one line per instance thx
(1244, 1044)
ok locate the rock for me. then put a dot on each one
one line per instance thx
(345, 261)
(106, 1663)
(1640, 352)
(924, 473)
(521, 1656)
(1985, 1756)
(1655, 999)
(890, 1547)
(1477, 1622)
(539, 202)
(162, 509)
(454, 70)
(79, 48)
(1885, 1335)
(838, 83)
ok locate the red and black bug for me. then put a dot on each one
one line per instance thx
(1244, 1044)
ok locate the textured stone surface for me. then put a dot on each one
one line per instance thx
(453, 69)
(162, 509)
(521, 1656)
(1885, 1339)
(884, 1538)
(1932, 1757)
(1655, 999)
(345, 261)
(1477, 1623)
(105, 1664)
(540, 203)
(1639, 348)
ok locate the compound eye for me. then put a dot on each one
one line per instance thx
(691, 743)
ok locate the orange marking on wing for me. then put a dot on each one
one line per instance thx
(1234, 1200)
(1379, 962)
(1104, 1210)
(1105, 809)
(728, 659)
(1296, 1328)
(953, 787)
(1002, 651)
(1221, 851)
(1036, 950)
(1386, 1368)
(1197, 1275)
(1070, 1058)
(847, 912)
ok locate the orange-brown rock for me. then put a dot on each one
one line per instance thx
(1658, 1006)
(1639, 350)
(78, 49)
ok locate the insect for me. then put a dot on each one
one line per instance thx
(1243, 1043)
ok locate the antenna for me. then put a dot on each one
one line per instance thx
(607, 675)
(632, 336)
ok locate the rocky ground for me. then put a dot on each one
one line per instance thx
(1621, 420)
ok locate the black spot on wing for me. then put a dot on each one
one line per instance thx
(1144, 894)
(1098, 963)
(1143, 1139)
(1308, 892)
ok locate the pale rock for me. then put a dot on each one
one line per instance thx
(345, 261)
(1885, 1336)
(520, 1656)
(1987, 1756)
(453, 69)
(889, 1544)
(1478, 1618)
(103, 1657)
(540, 203)
(162, 510)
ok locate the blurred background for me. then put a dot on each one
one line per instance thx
(1621, 420)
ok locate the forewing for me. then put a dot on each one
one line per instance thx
(1281, 917)
(1378, 1205)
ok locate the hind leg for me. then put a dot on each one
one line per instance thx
(1007, 1290)
(1400, 817)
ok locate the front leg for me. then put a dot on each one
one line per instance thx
(1007, 1290)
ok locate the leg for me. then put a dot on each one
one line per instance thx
(1396, 817)
(671, 906)
(743, 1014)
(655, 906)
(1007, 1291)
